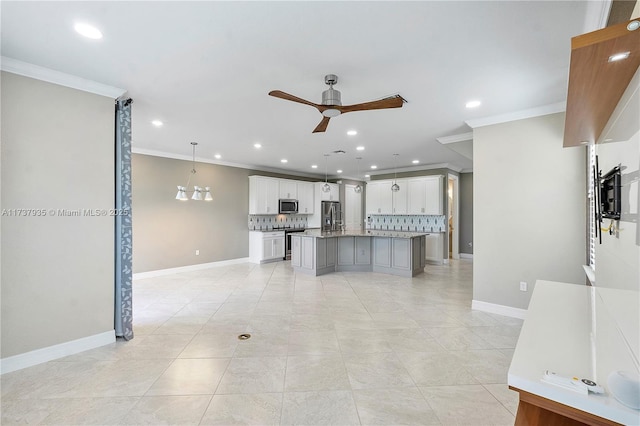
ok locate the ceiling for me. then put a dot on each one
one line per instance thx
(205, 68)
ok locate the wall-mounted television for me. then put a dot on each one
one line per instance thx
(610, 194)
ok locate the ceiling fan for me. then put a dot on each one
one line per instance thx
(331, 105)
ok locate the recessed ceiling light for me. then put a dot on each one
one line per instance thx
(360, 148)
(338, 171)
(218, 156)
(314, 166)
(284, 160)
(619, 56)
(633, 25)
(352, 132)
(87, 30)
(415, 161)
(374, 167)
(157, 123)
(367, 175)
(257, 145)
(473, 104)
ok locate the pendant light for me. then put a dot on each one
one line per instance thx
(358, 188)
(395, 187)
(197, 190)
(326, 187)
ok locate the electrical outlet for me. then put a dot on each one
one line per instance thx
(523, 286)
(197, 252)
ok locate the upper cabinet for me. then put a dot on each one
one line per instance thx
(288, 189)
(419, 195)
(378, 197)
(332, 195)
(596, 82)
(305, 197)
(263, 195)
(399, 198)
(433, 204)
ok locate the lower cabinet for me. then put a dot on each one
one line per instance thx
(354, 253)
(314, 255)
(433, 249)
(266, 246)
(396, 256)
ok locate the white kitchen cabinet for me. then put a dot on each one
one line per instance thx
(263, 195)
(288, 189)
(332, 195)
(266, 246)
(416, 196)
(379, 199)
(434, 248)
(305, 197)
(434, 195)
(424, 195)
(399, 198)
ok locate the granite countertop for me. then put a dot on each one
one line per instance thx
(318, 233)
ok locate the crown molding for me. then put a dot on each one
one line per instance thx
(517, 115)
(37, 72)
(164, 154)
(463, 137)
(415, 169)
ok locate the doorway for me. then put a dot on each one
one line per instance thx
(453, 212)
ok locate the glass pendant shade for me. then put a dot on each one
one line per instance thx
(207, 194)
(357, 189)
(326, 187)
(182, 195)
(395, 187)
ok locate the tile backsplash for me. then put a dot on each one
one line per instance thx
(415, 223)
(266, 222)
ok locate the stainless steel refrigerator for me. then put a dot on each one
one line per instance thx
(331, 216)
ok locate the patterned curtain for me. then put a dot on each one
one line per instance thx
(123, 230)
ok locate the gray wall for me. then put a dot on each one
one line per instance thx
(466, 213)
(529, 209)
(167, 232)
(57, 272)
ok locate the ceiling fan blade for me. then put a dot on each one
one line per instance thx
(322, 126)
(393, 102)
(287, 97)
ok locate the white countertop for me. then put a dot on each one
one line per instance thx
(318, 233)
(575, 330)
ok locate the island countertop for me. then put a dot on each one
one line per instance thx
(318, 233)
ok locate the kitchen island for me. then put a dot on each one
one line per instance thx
(317, 252)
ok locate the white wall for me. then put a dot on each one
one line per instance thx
(618, 257)
(529, 209)
(57, 272)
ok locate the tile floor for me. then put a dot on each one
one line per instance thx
(341, 349)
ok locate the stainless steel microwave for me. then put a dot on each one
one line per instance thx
(288, 206)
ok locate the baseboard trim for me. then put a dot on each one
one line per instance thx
(493, 308)
(39, 356)
(189, 268)
(466, 256)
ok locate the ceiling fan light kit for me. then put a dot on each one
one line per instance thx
(331, 105)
